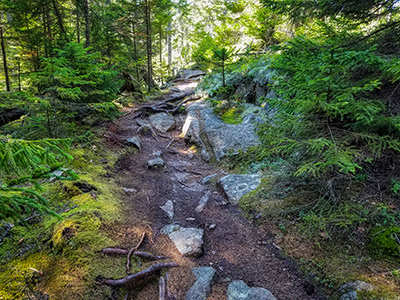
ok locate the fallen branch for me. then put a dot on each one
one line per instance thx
(130, 279)
(115, 251)
(128, 258)
(161, 285)
(119, 251)
(149, 256)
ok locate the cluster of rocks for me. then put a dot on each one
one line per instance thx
(216, 139)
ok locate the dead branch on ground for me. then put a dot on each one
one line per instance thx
(128, 258)
(161, 285)
(130, 279)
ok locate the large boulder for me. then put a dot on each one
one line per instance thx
(236, 186)
(203, 128)
(202, 286)
(238, 290)
(162, 122)
(192, 74)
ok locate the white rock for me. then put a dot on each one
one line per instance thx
(168, 207)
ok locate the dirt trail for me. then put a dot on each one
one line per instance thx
(235, 248)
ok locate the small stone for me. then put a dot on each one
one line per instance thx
(188, 241)
(348, 291)
(135, 141)
(57, 173)
(190, 219)
(238, 290)
(213, 226)
(156, 162)
(168, 207)
(130, 190)
(203, 202)
(207, 179)
(202, 287)
(156, 154)
(205, 155)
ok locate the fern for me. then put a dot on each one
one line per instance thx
(22, 164)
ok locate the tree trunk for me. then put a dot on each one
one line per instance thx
(3, 50)
(149, 50)
(169, 45)
(135, 52)
(59, 19)
(78, 25)
(87, 24)
(161, 64)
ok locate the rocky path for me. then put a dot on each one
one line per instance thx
(164, 186)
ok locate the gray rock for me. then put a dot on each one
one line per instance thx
(188, 241)
(225, 138)
(168, 207)
(142, 122)
(187, 74)
(203, 202)
(156, 153)
(349, 296)
(348, 291)
(207, 179)
(236, 186)
(156, 162)
(201, 123)
(205, 155)
(162, 122)
(167, 229)
(130, 190)
(202, 286)
(135, 141)
(213, 226)
(357, 285)
(57, 173)
(238, 290)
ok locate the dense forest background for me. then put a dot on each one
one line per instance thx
(326, 72)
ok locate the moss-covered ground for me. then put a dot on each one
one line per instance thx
(60, 256)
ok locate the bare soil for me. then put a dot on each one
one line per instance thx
(236, 248)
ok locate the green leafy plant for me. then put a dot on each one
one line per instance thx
(22, 164)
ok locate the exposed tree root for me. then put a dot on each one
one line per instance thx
(115, 251)
(130, 279)
(162, 290)
(163, 106)
(128, 258)
(119, 251)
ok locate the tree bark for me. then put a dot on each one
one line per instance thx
(135, 52)
(169, 45)
(78, 26)
(87, 23)
(59, 19)
(149, 50)
(3, 50)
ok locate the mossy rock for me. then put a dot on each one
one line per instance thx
(383, 242)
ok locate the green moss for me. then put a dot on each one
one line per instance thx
(232, 116)
(66, 250)
(383, 242)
